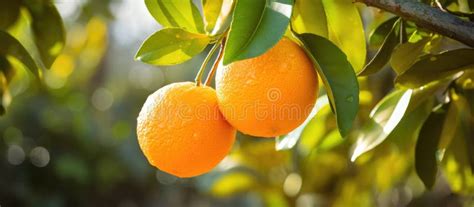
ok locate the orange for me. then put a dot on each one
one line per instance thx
(269, 95)
(181, 130)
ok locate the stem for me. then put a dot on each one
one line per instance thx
(429, 18)
(216, 65)
(205, 62)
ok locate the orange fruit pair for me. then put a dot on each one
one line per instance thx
(186, 130)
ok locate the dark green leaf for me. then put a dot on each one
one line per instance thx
(338, 77)
(383, 119)
(380, 33)
(176, 14)
(426, 164)
(6, 68)
(382, 56)
(48, 31)
(9, 11)
(171, 46)
(256, 27)
(12, 47)
(432, 67)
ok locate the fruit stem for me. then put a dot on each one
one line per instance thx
(206, 61)
(215, 65)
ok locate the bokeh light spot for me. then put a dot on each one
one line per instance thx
(292, 184)
(102, 99)
(39, 157)
(15, 155)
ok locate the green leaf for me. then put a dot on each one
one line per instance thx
(346, 30)
(449, 127)
(432, 67)
(289, 141)
(48, 31)
(426, 164)
(466, 102)
(338, 77)
(316, 129)
(382, 56)
(12, 47)
(405, 55)
(383, 119)
(9, 12)
(176, 14)
(171, 46)
(458, 159)
(309, 17)
(215, 14)
(379, 34)
(256, 27)
(331, 140)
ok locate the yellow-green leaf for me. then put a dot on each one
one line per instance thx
(346, 30)
(176, 14)
(171, 46)
(9, 46)
(383, 119)
(309, 17)
(437, 66)
(216, 13)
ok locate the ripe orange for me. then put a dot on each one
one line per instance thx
(269, 95)
(181, 130)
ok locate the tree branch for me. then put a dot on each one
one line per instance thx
(429, 18)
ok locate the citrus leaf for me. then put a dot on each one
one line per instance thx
(379, 34)
(9, 12)
(449, 127)
(309, 17)
(48, 30)
(316, 129)
(215, 14)
(289, 141)
(432, 67)
(12, 47)
(176, 14)
(382, 56)
(346, 30)
(405, 55)
(257, 25)
(426, 164)
(467, 123)
(383, 119)
(338, 77)
(457, 160)
(171, 46)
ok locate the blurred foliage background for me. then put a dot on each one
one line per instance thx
(69, 139)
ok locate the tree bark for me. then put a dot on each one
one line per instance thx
(429, 18)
